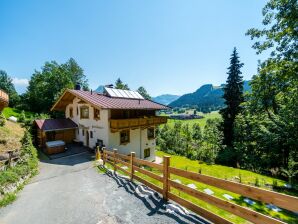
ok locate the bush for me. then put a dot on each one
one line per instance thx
(182, 140)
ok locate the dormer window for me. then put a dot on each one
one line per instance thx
(84, 112)
(96, 114)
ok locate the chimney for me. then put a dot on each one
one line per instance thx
(91, 91)
(78, 86)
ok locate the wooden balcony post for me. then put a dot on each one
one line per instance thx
(103, 155)
(115, 155)
(132, 155)
(166, 176)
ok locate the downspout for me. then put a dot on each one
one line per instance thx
(141, 143)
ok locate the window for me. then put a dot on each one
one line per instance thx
(150, 133)
(124, 137)
(91, 134)
(146, 153)
(83, 132)
(70, 112)
(84, 112)
(96, 114)
(77, 110)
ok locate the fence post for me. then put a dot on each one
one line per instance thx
(166, 175)
(97, 154)
(10, 158)
(103, 155)
(114, 155)
(132, 155)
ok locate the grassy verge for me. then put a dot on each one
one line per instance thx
(223, 172)
(8, 112)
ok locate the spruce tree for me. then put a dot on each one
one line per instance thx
(233, 95)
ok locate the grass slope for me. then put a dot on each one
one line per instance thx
(223, 172)
(10, 136)
(8, 112)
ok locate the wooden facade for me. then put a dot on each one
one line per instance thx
(121, 124)
(4, 100)
(67, 136)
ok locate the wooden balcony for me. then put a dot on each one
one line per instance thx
(133, 123)
(4, 99)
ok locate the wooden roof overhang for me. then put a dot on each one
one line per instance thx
(67, 98)
(4, 100)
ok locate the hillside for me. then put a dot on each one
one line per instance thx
(207, 96)
(165, 99)
(10, 136)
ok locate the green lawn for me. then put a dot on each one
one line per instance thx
(223, 172)
(201, 122)
(8, 112)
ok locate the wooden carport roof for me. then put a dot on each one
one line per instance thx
(55, 124)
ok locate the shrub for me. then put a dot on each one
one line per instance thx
(2, 120)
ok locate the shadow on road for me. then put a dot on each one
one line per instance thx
(153, 201)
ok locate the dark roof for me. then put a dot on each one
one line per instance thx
(55, 124)
(107, 102)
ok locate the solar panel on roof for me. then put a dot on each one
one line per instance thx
(120, 93)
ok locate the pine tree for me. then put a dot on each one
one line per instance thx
(141, 90)
(233, 95)
(120, 85)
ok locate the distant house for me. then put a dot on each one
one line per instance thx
(119, 119)
(4, 100)
(185, 116)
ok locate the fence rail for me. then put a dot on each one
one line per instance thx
(134, 164)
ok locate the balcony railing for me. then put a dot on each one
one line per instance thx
(119, 124)
(4, 99)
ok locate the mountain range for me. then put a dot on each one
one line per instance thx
(165, 99)
(207, 96)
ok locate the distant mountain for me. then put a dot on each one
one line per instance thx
(207, 96)
(165, 98)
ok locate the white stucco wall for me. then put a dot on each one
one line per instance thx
(138, 142)
(101, 130)
(98, 127)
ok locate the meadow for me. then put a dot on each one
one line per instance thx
(201, 122)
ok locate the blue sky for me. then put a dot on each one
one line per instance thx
(167, 46)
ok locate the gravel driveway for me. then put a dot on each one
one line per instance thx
(70, 190)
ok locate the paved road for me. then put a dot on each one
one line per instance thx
(70, 190)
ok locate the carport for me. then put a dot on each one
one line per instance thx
(54, 130)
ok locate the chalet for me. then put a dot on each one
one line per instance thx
(118, 119)
(4, 99)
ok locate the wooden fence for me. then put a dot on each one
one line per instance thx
(134, 164)
(10, 161)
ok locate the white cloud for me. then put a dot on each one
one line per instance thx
(20, 82)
